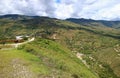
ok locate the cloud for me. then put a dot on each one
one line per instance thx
(27, 7)
(94, 9)
(63, 11)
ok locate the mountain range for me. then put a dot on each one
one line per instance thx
(90, 22)
(71, 48)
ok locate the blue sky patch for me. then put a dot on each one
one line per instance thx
(58, 1)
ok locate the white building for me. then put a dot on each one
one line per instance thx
(19, 37)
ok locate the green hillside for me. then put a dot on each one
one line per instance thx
(42, 58)
(61, 49)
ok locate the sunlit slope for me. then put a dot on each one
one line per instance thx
(42, 58)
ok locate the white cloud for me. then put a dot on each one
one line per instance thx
(95, 9)
(110, 12)
(27, 7)
(63, 11)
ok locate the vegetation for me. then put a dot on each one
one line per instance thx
(46, 58)
(53, 53)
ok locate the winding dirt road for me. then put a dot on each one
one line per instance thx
(15, 45)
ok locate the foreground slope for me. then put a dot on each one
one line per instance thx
(40, 59)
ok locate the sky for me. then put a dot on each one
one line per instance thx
(62, 9)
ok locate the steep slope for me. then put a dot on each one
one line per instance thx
(97, 51)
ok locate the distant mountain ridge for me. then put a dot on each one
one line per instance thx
(81, 21)
(20, 17)
(15, 16)
(91, 22)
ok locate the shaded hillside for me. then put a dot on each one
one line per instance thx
(90, 22)
(17, 17)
